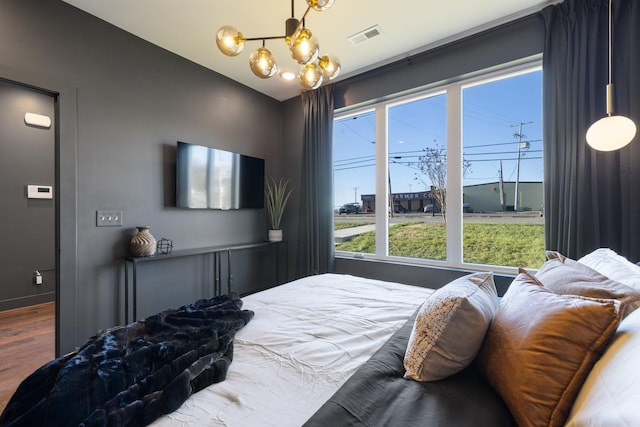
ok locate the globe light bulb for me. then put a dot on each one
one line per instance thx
(330, 66)
(320, 5)
(303, 47)
(310, 76)
(263, 63)
(229, 40)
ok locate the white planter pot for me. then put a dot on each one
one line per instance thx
(275, 235)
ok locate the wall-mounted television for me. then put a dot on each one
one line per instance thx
(210, 178)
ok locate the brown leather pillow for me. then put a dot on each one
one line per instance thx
(565, 276)
(541, 346)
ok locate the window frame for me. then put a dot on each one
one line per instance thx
(453, 91)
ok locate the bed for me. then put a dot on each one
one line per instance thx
(306, 339)
(332, 349)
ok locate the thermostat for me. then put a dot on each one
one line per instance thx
(39, 192)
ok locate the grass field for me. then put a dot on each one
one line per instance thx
(508, 244)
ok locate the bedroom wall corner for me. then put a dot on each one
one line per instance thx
(133, 102)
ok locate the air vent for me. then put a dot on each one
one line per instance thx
(365, 35)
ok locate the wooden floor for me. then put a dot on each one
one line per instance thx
(27, 341)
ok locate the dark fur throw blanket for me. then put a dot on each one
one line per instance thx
(131, 375)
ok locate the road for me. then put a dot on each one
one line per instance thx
(510, 217)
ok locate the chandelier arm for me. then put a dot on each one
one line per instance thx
(250, 39)
(301, 22)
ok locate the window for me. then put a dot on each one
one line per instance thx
(417, 140)
(502, 152)
(451, 175)
(355, 171)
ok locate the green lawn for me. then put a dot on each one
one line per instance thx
(509, 244)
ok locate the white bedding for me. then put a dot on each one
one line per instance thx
(306, 339)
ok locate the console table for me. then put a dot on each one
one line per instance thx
(215, 255)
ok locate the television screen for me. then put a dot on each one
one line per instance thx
(209, 178)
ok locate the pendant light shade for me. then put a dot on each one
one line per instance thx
(229, 40)
(611, 132)
(310, 76)
(330, 66)
(303, 48)
(320, 5)
(263, 63)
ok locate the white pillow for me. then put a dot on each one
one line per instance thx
(614, 266)
(450, 327)
(610, 396)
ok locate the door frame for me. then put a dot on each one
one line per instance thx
(66, 180)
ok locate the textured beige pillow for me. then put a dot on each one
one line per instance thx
(450, 327)
(541, 346)
(566, 276)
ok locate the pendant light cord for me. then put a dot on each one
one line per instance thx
(610, 41)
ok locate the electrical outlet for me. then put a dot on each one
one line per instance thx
(108, 218)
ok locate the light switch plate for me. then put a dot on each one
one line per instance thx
(108, 218)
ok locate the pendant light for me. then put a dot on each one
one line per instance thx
(310, 76)
(263, 63)
(611, 132)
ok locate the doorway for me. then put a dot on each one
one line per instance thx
(28, 260)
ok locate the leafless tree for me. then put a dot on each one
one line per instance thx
(433, 174)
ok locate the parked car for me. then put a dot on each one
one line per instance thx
(430, 209)
(349, 208)
(399, 209)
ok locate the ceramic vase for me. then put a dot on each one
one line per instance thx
(275, 235)
(143, 243)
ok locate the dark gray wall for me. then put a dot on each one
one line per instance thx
(123, 105)
(510, 42)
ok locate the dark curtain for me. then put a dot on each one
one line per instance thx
(592, 199)
(315, 253)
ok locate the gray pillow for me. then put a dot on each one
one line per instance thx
(565, 276)
(450, 327)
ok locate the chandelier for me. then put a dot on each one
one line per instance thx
(303, 47)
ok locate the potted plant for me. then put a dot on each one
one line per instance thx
(277, 196)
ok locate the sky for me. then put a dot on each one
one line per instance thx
(498, 117)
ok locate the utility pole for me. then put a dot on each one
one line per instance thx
(355, 194)
(521, 145)
(501, 189)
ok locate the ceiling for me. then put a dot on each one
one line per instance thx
(188, 28)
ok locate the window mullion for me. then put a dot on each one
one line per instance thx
(382, 182)
(454, 174)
